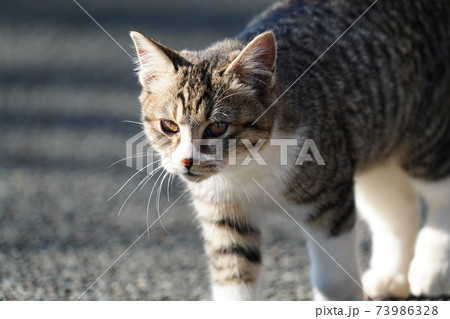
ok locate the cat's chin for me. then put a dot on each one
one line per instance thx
(194, 177)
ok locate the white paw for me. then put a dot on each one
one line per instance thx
(233, 292)
(377, 284)
(429, 274)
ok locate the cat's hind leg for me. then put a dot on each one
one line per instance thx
(386, 200)
(430, 269)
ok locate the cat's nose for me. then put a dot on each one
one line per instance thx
(187, 162)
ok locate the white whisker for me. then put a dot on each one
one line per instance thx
(158, 197)
(232, 94)
(139, 171)
(148, 207)
(129, 196)
(151, 194)
(221, 94)
(168, 186)
(151, 174)
(128, 157)
(133, 122)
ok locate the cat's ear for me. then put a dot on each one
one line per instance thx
(255, 65)
(156, 61)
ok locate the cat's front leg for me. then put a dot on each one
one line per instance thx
(233, 247)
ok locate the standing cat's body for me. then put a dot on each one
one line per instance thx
(377, 107)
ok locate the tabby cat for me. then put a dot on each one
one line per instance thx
(232, 119)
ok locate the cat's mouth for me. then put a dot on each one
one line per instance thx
(195, 172)
(193, 177)
(198, 175)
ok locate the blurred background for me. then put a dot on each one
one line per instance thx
(65, 90)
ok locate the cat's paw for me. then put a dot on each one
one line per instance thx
(379, 285)
(429, 279)
(429, 274)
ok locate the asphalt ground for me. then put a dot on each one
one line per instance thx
(65, 89)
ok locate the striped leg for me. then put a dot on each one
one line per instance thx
(233, 248)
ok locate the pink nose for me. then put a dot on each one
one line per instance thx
(187, 162)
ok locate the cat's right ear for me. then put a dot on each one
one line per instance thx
(155, 65)
(255, 65)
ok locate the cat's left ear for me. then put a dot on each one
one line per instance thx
(255, 65)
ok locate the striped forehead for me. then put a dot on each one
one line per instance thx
(194, 95)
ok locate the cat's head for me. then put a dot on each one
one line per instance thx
(199, 108)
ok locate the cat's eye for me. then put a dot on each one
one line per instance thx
(216, 129)
(169, 127)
